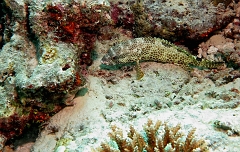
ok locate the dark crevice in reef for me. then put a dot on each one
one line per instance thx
(225, 2)
(29, 135)
(192, 45)
(31, 35)
(5, 16)
(1, 23)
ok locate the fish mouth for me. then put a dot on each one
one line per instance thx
(104, 62)
(107, 62)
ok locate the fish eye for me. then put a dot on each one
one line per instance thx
(114, 57)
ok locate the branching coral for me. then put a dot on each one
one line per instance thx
(158, 137)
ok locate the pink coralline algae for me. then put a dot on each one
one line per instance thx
(72, 23)
(122, 15)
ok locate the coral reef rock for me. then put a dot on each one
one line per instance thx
(233, 29)
(41, 45)
(173, 20)
(47, 47)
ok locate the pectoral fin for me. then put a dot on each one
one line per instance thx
(140, 73)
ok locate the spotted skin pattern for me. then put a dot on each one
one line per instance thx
(152, 49)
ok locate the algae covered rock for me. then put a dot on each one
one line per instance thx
(44, 45)
(173, 20)
(40, 58)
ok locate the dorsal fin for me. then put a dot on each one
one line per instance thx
(169, 44)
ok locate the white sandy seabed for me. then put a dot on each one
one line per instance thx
(166, 93)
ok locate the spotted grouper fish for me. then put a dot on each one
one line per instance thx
(153, 49)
